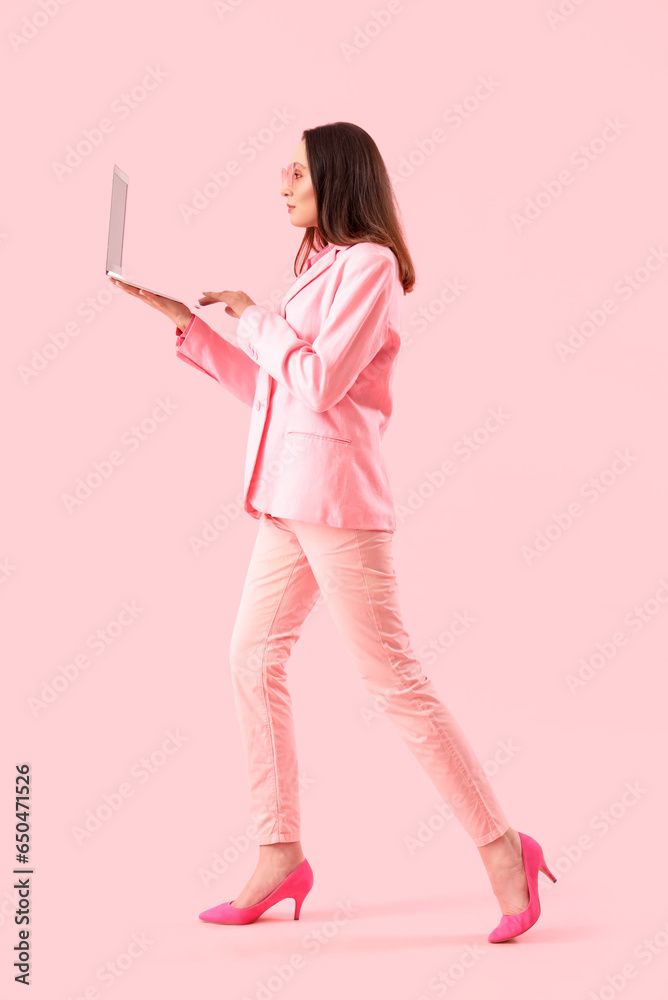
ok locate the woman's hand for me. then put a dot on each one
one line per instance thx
(236, 302)
(178, 312)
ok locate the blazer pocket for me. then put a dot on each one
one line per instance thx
(321, 437)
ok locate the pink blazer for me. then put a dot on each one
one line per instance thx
(317, 376)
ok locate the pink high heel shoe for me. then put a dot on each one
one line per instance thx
(295, 886)
(512, 925)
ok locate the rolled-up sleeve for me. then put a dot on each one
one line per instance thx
(203, 348)
(321, 373)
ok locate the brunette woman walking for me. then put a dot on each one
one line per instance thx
(317, 376)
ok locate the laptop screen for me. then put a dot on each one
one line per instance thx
(119, 192)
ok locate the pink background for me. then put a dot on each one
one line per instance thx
(562, 760)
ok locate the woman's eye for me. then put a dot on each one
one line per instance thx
(296, 174)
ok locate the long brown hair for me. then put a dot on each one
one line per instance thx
(354, 196)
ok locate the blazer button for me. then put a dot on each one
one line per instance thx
(258, 405)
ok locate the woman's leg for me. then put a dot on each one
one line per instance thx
(354, 570)
(278, 594)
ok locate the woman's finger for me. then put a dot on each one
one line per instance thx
(131, 290)
(168, 307)
(126, 288)
(141, 293)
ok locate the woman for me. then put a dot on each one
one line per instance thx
(317, 377)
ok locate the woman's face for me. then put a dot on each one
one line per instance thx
(300, 193)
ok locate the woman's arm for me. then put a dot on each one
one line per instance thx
(203, 348)
(319, 375)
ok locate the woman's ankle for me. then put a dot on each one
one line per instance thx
(283, 851)
(502, 845)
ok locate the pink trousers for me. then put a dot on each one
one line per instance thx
(291, 564)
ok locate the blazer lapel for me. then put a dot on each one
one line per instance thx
(312, 272)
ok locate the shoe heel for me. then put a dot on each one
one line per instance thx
(304, 886)
(298, 906)
(543, 868)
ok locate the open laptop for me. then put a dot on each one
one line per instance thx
(119, 194)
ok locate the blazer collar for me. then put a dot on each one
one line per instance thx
(312, 272)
